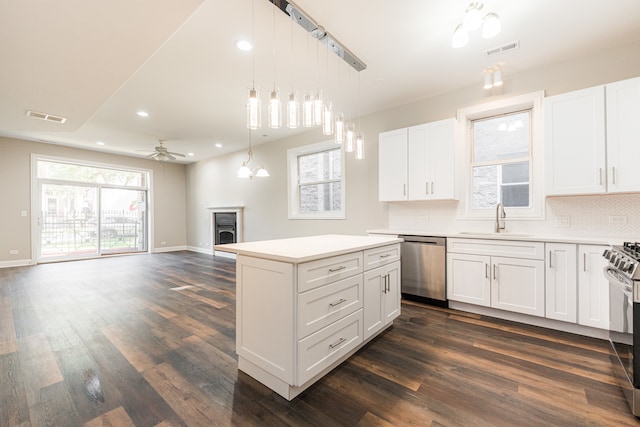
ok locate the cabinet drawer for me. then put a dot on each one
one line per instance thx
(383, 255)
(505, 248)
(328, 345)
(322, 306)
(324, 271)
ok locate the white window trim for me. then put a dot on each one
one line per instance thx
(292, 182)
(533, 101)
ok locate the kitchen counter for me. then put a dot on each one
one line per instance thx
(502, 236)
(304, 249)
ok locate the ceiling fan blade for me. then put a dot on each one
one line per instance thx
(170, 156)
(152, 155)
(175, 154)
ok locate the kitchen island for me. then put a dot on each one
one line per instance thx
(304, 305)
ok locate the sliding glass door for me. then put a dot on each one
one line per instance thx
(88, 211)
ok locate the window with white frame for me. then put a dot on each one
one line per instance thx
(316, 182)
(503, 156)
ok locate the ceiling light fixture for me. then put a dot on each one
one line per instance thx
(142, 114)
(250, 167)
(253, 102)
(293, 106)
(471, 21)
(244, 45)
(275, 107)
(493, 77)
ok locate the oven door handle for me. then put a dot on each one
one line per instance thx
(624, 286)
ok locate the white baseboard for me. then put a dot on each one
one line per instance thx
(169, 249)
(16, 263)
(200, 250)
(224, 254)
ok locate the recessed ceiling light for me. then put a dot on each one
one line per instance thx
(218, 145)
(142, 114)
(190, 154)
(99, 142)
(244, 45)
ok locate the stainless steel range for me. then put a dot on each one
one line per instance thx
(623, 273)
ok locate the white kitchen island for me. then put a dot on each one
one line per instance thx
(304, 305)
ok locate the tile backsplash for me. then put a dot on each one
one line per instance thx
(615, 216)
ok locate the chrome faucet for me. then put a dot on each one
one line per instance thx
(500, 213)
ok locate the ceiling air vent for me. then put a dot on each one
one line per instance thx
(504, 48)
(47, 117)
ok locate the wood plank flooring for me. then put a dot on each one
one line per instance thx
(148, 340)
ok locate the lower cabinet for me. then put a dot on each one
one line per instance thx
(593, 287)
(476, 276)
(381, 297)
(561, 283)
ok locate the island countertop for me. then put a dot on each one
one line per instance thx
(303, 249)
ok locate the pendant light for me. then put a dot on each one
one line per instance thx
(339, 128)
(359, 142)
(327, 110)
(349, 128)
(253, 102)
(250, 167)
(275, 107)
(318, 33)
(307, 111)
(293, 107)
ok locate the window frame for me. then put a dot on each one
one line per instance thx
(466, 116)
(293, 178)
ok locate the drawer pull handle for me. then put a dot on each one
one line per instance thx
(385, 256)
(340, 301)
(340, 341)
(333, 270)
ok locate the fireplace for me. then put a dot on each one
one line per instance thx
(225, 227)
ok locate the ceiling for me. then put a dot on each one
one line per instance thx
(98, 63)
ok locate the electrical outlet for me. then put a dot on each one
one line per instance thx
(23, 213)
(617, 219)
(14, 252)
(563, 221)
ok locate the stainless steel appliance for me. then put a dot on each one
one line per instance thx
(424, 265)
(623, 273)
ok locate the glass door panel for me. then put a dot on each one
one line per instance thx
(123, 221)
(68, 223)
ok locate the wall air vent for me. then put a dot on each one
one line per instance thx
(47, 117)
(504, 48)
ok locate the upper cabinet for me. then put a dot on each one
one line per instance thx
(418, 163)
(589, 139)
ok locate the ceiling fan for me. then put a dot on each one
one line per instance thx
(162, 155)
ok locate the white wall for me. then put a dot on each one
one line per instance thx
(213, 182)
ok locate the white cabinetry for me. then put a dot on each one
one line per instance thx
(561, 283)
(418, 163)
(507, 275)
(392, 170)
(593, 287)
(382, 297)
(582, 155)
(295, 322)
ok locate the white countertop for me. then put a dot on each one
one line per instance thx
(303, 249)
(501, 236)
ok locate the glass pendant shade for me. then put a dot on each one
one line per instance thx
(491, 26)
(317, 109)
(253, 109)
(307, 111)
(244, 171)
(359, 146)
(293, 111)
(460, 37)
(497, 78)
(488, 84)
(275, 110)
(262, 172)
(350, 131)
(327, 119)
(472, 19)
(339, 128)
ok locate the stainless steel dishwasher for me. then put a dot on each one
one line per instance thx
(423, 268)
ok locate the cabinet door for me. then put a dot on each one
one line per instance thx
(575, 142)
(392, 165)
(561, 283)
(518, 285)
(468, 278)
(419, 157)
(392, 292)
(442, 159)
(373, 301)
(623, 135)
(593, 287)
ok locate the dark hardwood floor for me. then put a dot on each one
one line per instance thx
(148, 340)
